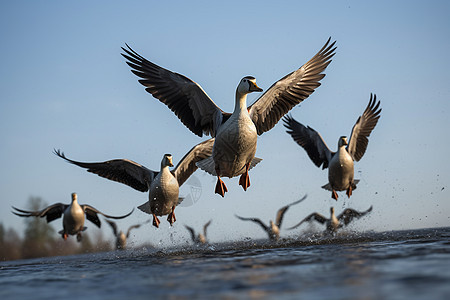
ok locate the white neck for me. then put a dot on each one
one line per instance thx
(241, 102)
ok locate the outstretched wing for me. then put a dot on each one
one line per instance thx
(312, 217)
(282, 211)
(191, 231)
(51, 213)
(92, 214)
(133, 227)
(121, 170)
(289, 91)
(256, 220)
(206, 227)
(182, 95)
(349, 214)
(113, 226)
(310, 140)
(187, 164)
(357, 144)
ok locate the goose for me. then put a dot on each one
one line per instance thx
(163, 186)
(235, 133)
(121, 237)
(340, 164)
(200, 238)
(73, 219)
(334, 223)
(273, 230)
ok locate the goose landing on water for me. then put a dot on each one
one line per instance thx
(73, 219)
(273, 230)
(236, 134)
(340, 164)
(121, 237)
(163, 186)
(200, 238)
(334, 223)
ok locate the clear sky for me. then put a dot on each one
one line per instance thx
(65, 85)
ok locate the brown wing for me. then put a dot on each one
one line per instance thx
(310, 140)
(282, 211)
(92, 214)
(121, 170)
(291, 90)
(357, 144)
(256, 220)
(51, 213)
(312, 217)
(349, 214)
(187, 164)
(183, 96)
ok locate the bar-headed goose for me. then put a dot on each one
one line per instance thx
(273, 230)
(334, 223)
(163, 186)
(200, 238)
(340, 164)
(73, 216)
(121, 237)
(236, 133)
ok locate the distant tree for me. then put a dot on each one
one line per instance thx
(10, 244)
(38, 235)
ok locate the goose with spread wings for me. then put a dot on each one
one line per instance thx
(199, 238)
(121, 237)
(73, 215)
(273, 230)
(334, 223)
(236, 133)
(340, 164)
(163, 186)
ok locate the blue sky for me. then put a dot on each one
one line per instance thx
(65, 85)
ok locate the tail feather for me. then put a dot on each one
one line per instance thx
(209, 166)
(146, 208)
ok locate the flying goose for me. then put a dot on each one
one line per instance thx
(200, 238)
(73, 219)
(334, 223)
(273, 230)
(340, 164)
(163, 186)
(121, 238)
(236, 133)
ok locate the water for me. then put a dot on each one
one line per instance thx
(390, 265)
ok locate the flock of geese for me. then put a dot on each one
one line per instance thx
(230, 152)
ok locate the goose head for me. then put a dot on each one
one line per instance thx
(74, 197)
(342, 141)
(247, 86)
(166, 161)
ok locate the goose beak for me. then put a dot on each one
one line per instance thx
(254, 87)
(170, 162)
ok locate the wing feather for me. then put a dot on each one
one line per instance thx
(310, 140)
(184, 97)
(187, 164)
(291, 90)
(121, 170)
(362, 129)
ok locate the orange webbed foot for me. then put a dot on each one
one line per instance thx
(334, 195)
(221, 188)
(244, 180)
(156, 221)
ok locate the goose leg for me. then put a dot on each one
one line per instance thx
(349, 191)
(156, 221)
(334, 195)
(65, 236)
(171, 217)
(221, 188)
(244, 180)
